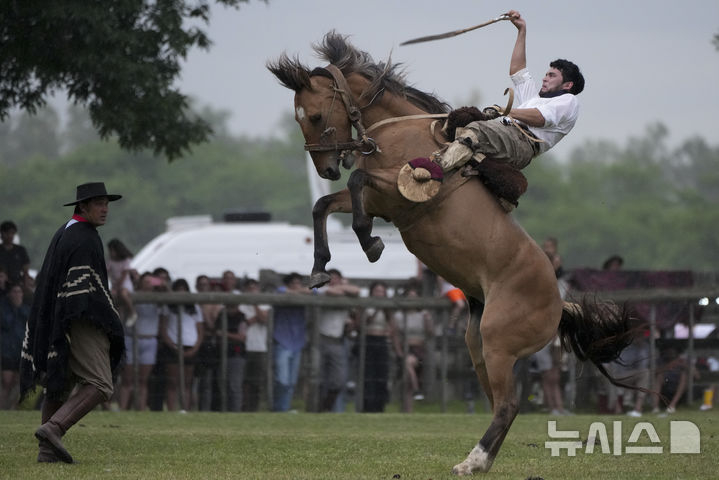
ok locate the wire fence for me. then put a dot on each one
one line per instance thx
(446, 353)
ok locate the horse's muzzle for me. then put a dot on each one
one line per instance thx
(331, 173)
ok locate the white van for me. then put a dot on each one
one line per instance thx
(196, 245)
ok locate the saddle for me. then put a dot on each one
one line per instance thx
(420, 179)
(504, 181)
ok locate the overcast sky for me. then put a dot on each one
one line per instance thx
(644, 61)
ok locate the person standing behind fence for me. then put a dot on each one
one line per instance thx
(208, 358)
(460, 308)
(256, 317)
(13, 317)
(12, 256)
(289, 337)
(548, 361)
(632, 367)
(157, 383)
(380, 331)
(188, 319)
(236, 336)
(4, 282)
(146, 330)
(671, 379)
(417, 325)
(120, 272)
(333, 324)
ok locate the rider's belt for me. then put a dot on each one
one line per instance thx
(524, 129)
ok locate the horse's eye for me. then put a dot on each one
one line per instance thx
(316, 117)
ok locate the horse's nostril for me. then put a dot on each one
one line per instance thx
(331, 173)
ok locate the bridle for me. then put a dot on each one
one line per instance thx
(364, 144)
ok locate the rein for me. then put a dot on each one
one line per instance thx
(387, 121)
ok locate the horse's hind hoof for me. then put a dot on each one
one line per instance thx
(318, 279)
(375, 250)
(477, 461)
(461, 470)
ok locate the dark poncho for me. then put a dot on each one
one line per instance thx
(71, 284)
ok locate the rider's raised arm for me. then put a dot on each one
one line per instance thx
(519, 54)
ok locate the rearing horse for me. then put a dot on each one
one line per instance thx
(464, 236)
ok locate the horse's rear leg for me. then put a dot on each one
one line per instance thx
(335, 202)
(473, 339)
(499, 366)
(361, 222)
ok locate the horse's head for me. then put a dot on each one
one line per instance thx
(327, 110)
(320, 112)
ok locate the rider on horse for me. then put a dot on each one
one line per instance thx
(544, 116)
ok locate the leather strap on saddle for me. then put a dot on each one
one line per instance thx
(510, 102)
(451, 182)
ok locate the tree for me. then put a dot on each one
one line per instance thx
(119, 58)
(657, 207)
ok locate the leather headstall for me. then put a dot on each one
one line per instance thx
(364, 144)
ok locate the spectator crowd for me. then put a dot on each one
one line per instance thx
(367, 356)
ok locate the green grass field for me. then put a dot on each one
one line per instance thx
(329, 446)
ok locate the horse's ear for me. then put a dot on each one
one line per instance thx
(290, 72)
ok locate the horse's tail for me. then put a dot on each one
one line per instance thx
(597, 332)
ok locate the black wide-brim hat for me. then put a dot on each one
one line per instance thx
(86, 191)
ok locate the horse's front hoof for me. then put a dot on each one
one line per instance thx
(318, 279)
(375, 250)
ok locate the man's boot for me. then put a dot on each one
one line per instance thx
(456, 154)
(46, 453)
(76, 407)
(461, 150)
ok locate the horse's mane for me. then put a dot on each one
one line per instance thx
(383, 76)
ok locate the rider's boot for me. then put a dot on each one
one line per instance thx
(459, 151)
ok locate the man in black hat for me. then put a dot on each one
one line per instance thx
(74, 334)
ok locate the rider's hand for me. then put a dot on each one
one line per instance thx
(492, 112)
(516, 19)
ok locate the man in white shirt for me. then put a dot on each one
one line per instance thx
(256, 317)
(542, 118)
(333, 323)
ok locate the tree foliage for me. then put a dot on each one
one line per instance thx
(655, 206)
(119, 58)
(226, 174)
